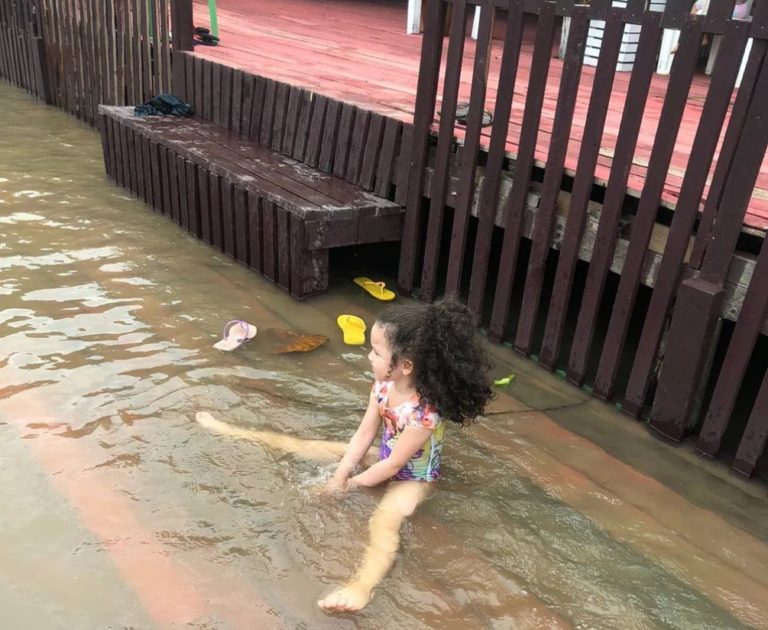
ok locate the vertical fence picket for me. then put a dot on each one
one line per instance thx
(686, 210)
(470, 154)
(489, 194)
(553, 175)
(514, 208)
(445, 142)
(431, 53)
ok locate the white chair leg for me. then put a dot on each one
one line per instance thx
(668, 41)
(744, 59)
(713, 50)
(413, 20)
(476, 23)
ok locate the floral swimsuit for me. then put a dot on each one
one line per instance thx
(425, 463)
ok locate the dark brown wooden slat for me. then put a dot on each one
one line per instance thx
(295, 96)
(725, 159)
(268, 240)
(146, 58)
(173, 185)
(181, 172)
(105, 148)
(226, 97)
(241, 225)
(267, 113)
(228, 218)
(367, 178)
(642, 225)
(740, 349)
(316, 128)
(699, 303)
(309, 268)
(302, 125)
(157, 181)
(189, 71)
(718, 15)
(257, 108)
(514, 208)
(179, 71)
(470, 154)
(385, 167)
(614, 197)
(126, 181)
(165, 208)
(686, 211)
(193, 199)
(217, 115)
(236, 115)
(343, 139)
(183, 27)
(426, 92)
(613, 203)
(149, 193)
(114, 150)
(283, 249)
(281, 110)
(329, 129)
(675, 13)
(357, 146)
(402, 172)
(204, 199)
(200, 85)
(138, 155)
(445, 141)
(208, 90)
(165, 45)
(255, 232)
(247, 104)
(489, 194)
(593, 130)
(214, 189)
(755, 435)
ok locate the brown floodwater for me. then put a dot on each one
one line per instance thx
(118, 511)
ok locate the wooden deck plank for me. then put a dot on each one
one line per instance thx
(375, 65)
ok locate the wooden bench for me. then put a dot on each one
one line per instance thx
(272, 213)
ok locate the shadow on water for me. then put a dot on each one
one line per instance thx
(118, 510)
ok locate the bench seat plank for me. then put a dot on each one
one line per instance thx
(301, 189)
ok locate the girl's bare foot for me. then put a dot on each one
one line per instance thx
(209, 422)
(353, 596)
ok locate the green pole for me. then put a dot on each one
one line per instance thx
(214, 19)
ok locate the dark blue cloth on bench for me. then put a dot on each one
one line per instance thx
(164, 105)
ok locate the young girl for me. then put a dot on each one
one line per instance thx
(428, 367)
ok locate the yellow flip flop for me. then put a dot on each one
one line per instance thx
(353, 328)
(376, 289)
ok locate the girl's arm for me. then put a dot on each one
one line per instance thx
(361, 441)
(408, 444)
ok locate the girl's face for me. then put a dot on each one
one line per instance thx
(381, 358)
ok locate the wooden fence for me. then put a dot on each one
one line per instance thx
(550, 306)
(487, 225)
(77, 54)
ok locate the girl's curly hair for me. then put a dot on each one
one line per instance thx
(450, 365)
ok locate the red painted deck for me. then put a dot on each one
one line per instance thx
(357, 51)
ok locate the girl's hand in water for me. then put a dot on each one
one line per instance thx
(334, 487)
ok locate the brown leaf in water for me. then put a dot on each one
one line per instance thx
(292, 341)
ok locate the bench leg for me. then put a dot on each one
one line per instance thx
(309, 267)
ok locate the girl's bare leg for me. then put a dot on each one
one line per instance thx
(323, 451)
(398, 503)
